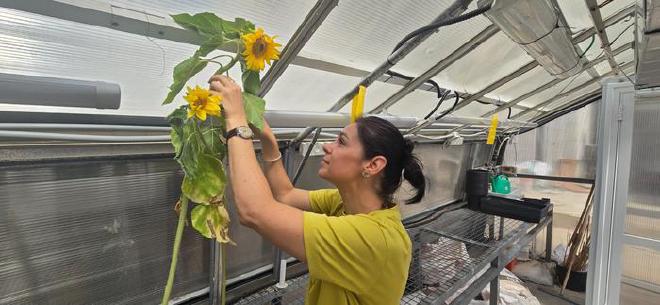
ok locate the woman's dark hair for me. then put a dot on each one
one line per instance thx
(380, 138)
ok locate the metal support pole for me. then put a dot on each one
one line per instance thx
(548, 238)
(602, 34)
(216, 274)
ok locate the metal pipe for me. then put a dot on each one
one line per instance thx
(49, 126)
(58, 92)
(312, 21)
(455, 9)
(79, 137)
(324, 119)
(459, 53)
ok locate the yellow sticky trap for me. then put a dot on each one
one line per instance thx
(492, 130)
(358, 104)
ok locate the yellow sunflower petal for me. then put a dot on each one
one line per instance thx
(191, 112)
(201, 114)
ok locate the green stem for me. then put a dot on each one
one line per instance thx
(183, 211)
(232, 62)
(223, 284)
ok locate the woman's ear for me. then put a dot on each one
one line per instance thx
(375, 165)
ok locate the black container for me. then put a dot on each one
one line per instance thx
(576, 282)
(526, 209)
(476, 187)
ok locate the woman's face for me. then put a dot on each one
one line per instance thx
(343, 160)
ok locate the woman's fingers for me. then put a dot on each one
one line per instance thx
(224, 80)
(217, 86)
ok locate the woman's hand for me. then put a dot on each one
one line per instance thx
(232, 99)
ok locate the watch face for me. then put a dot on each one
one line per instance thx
(245, 132)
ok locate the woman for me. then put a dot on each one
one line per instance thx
(352, 238)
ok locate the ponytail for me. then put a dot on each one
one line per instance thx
(412, 172)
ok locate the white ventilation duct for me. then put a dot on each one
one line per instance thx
(540, 29)
(60, 92)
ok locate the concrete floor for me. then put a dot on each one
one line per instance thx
(630, 295)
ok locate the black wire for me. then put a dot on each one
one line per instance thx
(450, 109)
(307, 153)
(438, 90)
(509, 115)
(442, 99)
(436, 25)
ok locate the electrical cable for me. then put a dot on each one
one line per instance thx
(450, 109)
(409, 78)
(442, 99)
(307, 153)
(436, 25)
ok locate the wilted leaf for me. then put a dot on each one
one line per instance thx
(204, 179)
(212, 221)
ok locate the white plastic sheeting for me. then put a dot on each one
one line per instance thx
(358, 34)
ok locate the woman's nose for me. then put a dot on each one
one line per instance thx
(326, 148)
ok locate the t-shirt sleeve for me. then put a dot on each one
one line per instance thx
(343, 250)
(325, 201)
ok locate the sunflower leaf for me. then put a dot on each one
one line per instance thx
(212, 136)
(182, 73)
(198, 217)
(251, 82)
(254, 109)
(204, 179)
(176, 119)
(207, 24)
(209, 45)
(244, 25)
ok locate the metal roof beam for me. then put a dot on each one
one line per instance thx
(596, 17)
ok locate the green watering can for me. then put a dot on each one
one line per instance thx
(500, 184)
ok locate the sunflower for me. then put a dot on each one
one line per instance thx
(259, 48)
(202, 102)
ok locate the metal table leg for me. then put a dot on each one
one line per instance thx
(548, 240)
(494, 285)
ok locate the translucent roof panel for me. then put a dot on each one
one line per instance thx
(621, 33)
(486, 64)
(562, 86)
(576, 14)
(363, 33)
(529, 81)
(305, 89)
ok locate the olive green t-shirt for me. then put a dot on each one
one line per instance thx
(354, 259)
